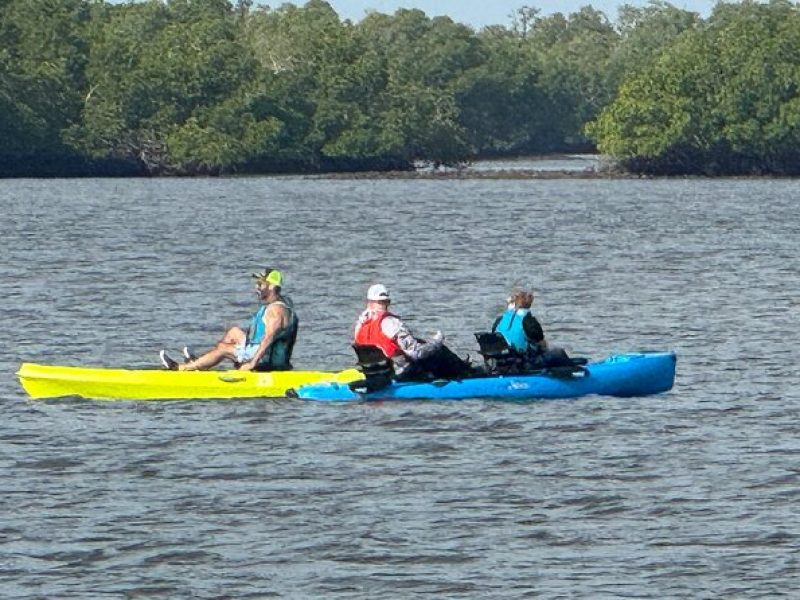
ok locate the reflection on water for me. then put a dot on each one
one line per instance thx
(562, 163)
(687, 494)
(569, 163)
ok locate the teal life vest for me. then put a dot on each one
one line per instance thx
(510, 327)
(279, 352)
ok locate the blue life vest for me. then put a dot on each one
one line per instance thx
(510, 327)
(255, 332)
(279, 351)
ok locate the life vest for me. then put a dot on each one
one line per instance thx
(279, 351)
(510, 327)
(370, 333)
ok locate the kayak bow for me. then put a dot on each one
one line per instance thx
(52, 381)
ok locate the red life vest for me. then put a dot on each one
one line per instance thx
(370, 333)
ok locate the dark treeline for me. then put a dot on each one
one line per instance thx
(207, 86)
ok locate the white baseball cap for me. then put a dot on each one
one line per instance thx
(377, 293)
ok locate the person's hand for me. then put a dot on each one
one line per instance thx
(248, 366)
(438, 337)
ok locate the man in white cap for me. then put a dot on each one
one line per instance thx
(410, 356)
(265, 346)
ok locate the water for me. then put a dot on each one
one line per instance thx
(693, 493)
(568, 162)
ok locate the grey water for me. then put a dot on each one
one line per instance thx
(568, 163)
(694, 493)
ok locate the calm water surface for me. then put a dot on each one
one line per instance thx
(693, 493)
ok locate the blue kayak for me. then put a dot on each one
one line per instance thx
(634, 374)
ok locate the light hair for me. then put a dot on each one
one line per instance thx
(522, 298)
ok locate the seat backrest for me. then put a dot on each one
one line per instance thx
(289, 340)
(373, 362)
(492, 344)
(369, 356)
(498, 356)
(293, 337)
(378, 370)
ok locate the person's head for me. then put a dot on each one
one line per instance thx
(522, 298)
(378, 295)
(268, 283)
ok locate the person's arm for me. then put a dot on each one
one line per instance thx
(533, 331)
(414, 349)
(273, 317)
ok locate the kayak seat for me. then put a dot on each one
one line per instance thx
(291, 338)
(498, 356)
(378, 370)
(290, 342)
(570, 372)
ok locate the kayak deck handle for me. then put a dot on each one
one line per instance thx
(232, 378)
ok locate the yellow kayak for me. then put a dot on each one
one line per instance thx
(51, 381)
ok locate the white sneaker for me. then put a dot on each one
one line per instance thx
(167, 361)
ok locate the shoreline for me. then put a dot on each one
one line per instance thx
(423, 173)
(475, 174)
(466, 175)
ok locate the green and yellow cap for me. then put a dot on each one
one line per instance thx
(271, 276)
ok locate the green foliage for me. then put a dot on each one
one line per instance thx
(575, 55)
(502, 106)
(645, 32)
(42, 54)
(155, 72)
(211, 86)
(721, 99)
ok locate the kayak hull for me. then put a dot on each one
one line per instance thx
(52, 381)
(634, 374)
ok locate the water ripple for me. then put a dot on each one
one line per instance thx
(689, 494)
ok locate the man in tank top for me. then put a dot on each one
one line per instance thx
(265, 346)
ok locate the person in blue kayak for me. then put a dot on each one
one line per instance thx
(412, 358)
(265, 346)
(524, 334)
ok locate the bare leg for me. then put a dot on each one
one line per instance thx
(225, 348)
